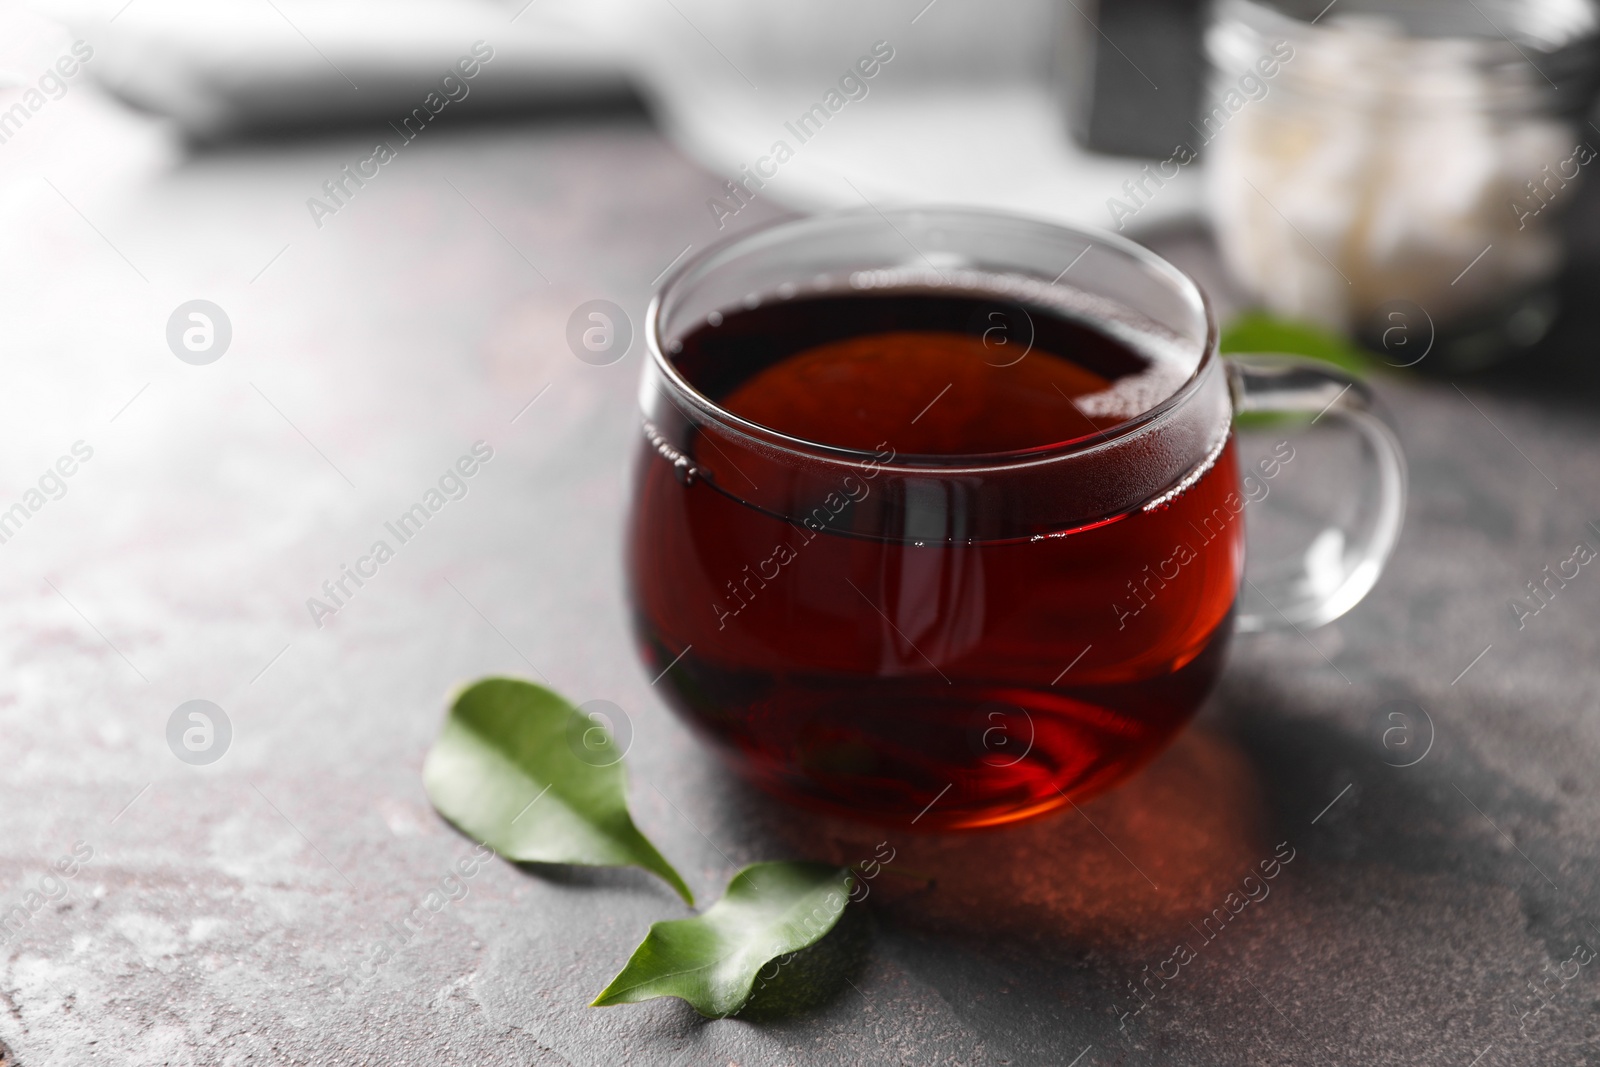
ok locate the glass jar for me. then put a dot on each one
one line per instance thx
(1395, 169)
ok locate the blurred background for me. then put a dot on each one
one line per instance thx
(386, 217)
(1352, 160)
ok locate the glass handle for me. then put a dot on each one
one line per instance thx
(1329, 576)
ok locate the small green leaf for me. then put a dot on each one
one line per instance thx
(1257, 331)
(506, 771)
(712, 960)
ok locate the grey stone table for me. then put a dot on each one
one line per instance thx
(214, 912)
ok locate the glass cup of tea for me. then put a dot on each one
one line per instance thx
(938, 517)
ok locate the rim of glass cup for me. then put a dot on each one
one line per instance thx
(774, 233)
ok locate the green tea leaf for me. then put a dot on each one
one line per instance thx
(1257, 331)
(505, 770)
(712, 960)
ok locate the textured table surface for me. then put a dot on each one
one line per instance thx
(222, 905)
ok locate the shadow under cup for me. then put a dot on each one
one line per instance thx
(945, 640)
